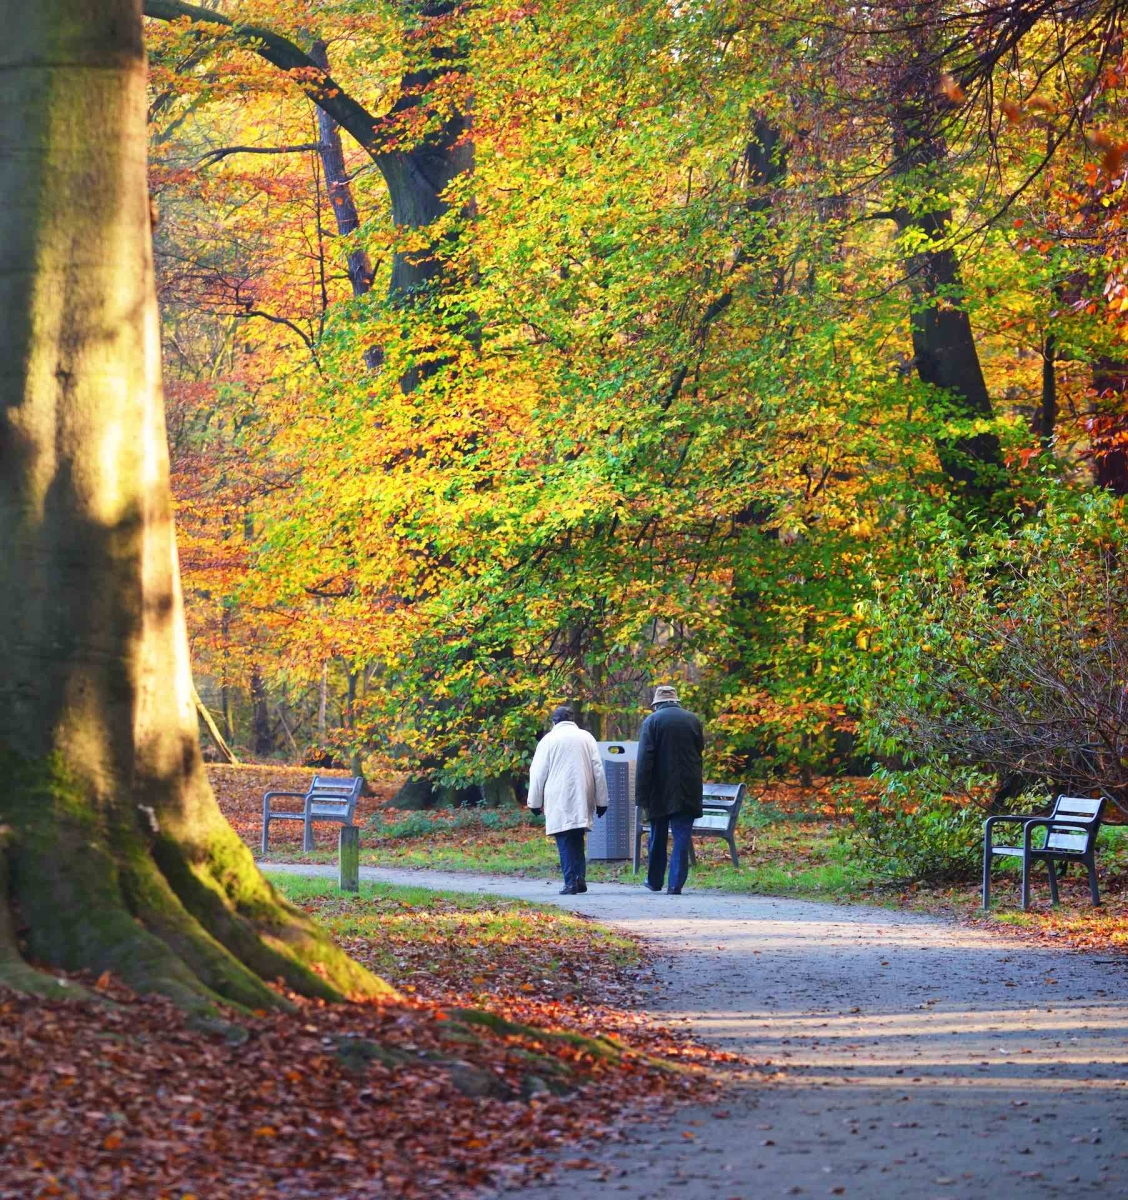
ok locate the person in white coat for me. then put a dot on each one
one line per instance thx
(567, 781)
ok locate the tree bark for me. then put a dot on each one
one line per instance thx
(338, 188)
(1108, 425)
(944, 347)
(1048, 409)
(260, 715)
(117, 855)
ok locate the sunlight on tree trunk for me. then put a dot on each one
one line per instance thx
(117, 856)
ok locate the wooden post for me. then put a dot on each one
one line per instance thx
(348, 859)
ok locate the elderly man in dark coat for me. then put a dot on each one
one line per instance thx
(668, 783)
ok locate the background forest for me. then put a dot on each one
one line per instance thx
(525, 352)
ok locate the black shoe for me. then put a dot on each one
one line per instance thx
(570, 891)
(650, 888)
(673, 891)
(581, 887)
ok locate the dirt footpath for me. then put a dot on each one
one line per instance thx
(911, 1057)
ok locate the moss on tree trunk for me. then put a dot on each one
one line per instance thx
(115, 854)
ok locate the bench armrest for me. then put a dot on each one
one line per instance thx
(1051, 823)
(272, 795)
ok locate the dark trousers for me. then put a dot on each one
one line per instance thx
(681, 826)
(573, 864)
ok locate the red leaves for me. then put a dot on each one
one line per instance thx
(154, 1109)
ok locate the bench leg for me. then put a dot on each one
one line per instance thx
(1091, 864)
(1053, 881)
(732, 850)
(987, 856)
(307, 838)
(692, 853)
(265, 828)
(1025, 882)
(637, 858)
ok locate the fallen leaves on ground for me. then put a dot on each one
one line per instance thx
(130, 1101)
(549, 969)
(239, 791)
(410, 1099)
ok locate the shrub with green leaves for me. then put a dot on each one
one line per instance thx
(918, 830)
(1008, 653)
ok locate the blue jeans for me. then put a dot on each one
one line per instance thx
(681, 826)
(573, 864)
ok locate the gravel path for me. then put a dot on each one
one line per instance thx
(911, 1056)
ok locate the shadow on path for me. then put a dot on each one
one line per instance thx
(911, 1057)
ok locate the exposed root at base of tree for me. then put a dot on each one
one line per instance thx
(190, 919)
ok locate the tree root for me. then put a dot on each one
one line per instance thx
(203, 928)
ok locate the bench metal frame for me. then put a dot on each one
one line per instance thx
(328, 799)
(720, 803)
(1071, 836)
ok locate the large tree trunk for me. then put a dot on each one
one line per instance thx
(944, 349)
(117, 855)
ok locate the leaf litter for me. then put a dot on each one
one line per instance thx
(412, 1098)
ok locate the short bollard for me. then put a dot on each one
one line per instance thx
(348, 858)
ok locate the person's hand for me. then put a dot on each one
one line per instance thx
(601, 810)
(538, 813)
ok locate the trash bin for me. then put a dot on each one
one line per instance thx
(610, 837)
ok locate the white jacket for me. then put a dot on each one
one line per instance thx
(567, 778)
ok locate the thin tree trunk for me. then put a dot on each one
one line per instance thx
(213, 729)
(118, 857)
(323, 704)
(1048, 409)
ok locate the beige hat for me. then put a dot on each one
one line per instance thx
(664, 694)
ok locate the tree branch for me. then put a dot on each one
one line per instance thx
(317, 84)
(214, 156)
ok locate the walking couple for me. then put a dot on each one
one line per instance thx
(567, 783)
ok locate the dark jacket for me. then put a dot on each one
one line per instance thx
(668, 774)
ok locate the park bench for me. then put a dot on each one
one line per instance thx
(1071, 830)
(328, 799)
(720, 804)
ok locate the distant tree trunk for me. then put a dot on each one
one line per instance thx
(225, 690)
(1048, 409)
(323, 704)
(944, 349)
(1108, 425)
(260, 715)
(115, 853)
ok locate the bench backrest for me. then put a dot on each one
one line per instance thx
(334, 795)
(720, 804)
(1075, 808)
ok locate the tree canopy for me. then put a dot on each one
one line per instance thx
(517, 354)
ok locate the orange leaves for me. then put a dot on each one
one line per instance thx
(1112, 152)
(1013, 112)
(949, 88)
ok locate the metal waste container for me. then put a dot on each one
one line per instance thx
(611, 834)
